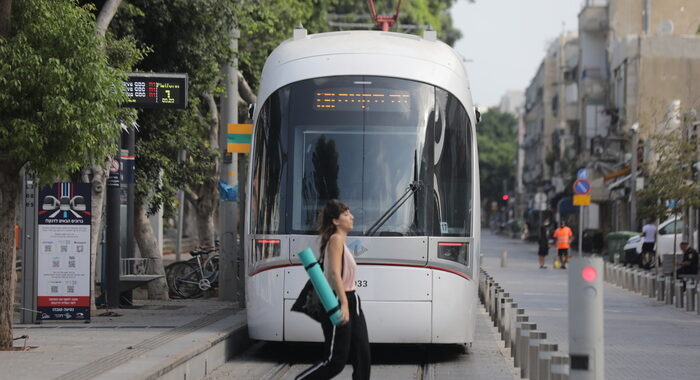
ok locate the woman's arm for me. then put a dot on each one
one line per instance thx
(335, 263)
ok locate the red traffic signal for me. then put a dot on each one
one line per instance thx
(589, 274)
(505, 197)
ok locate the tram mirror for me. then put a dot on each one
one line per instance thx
(478, 114)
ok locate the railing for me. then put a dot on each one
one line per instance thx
(136, 266)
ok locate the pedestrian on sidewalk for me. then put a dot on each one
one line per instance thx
(689, 263)
(563, 235)
(648, 254)
(544, 243)
(347, 342)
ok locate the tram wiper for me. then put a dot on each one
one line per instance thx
(413, 187)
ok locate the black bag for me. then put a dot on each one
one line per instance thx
(309, 303)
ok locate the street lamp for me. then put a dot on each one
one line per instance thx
(633, 178)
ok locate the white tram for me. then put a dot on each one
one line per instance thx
(385, 123)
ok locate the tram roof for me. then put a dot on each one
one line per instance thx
(373, 53)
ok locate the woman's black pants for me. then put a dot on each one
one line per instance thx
(346, 343)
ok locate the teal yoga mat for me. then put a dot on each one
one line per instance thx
(323, 289)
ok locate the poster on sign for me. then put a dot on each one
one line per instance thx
(63, 250)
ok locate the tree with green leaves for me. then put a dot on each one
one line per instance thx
(59, 105)
(498, 146)
(671, 176)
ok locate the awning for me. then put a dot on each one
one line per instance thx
(617, 173)
(619, 182)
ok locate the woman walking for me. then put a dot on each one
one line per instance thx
(348, 341)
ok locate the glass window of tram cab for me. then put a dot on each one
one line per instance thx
(364, 140)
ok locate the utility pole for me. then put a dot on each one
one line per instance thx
(229, 289)
(633, 177)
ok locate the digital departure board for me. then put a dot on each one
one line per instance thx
(156, 90)
(356, 99)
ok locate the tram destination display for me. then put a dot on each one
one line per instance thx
(156, 90)
(349, 99)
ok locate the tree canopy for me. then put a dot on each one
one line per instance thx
(498, 146)
(59, 97)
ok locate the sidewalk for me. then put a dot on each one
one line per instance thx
(644, 339)
(170, 339)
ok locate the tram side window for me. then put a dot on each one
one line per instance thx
(268, 168)
(453, 159)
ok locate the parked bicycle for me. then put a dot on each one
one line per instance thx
(188, 279)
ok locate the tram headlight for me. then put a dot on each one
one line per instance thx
(453, 251)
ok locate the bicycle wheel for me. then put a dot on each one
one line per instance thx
(186, 283)
(172, 271)
(211, 269)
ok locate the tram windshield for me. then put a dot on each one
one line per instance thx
(387, 147)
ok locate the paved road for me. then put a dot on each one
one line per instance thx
(644, 339)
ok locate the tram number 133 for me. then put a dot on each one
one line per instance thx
(361, 283)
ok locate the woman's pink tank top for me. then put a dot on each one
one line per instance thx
(349, 268)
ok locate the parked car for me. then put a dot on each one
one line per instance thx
(664, 241)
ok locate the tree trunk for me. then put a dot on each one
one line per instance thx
(5, 18)
(9, 188)
(98, 182)
(109, 9)
(148, 246)
(204, 208)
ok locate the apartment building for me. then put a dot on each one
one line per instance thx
(632, 62)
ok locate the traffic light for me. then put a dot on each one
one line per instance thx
(586, 340)
(505, 197)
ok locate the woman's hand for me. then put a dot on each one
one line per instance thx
(344, 313)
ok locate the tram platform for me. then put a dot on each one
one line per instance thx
(155, 339)
(644, 338)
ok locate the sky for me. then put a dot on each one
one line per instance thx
(504, 41)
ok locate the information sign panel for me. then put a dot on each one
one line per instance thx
(582, 200)
(63, 250)
(156, 90)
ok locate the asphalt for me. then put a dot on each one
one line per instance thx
(155, 339)
(644, 338)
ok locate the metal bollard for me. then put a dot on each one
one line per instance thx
(619, 275)
(652, 285)
(559, 367)
(515, 338)
(524, 348)
(510, 323)
(678, 294)
(690, 296)
(536, 339)
(481, 260)
(643, 283)
(638, 281)
(545, 357)
(503, 316)
(616, 258)
(668, 297)
(697, 297)
(660, 288)
(504, 258)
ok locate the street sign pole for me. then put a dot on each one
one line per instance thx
(581, 198)
(580, 231)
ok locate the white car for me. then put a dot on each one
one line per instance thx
(664, 240)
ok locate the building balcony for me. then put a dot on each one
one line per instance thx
(571, 111)
(593, 18)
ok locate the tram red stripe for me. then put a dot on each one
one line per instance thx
(374, 264)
